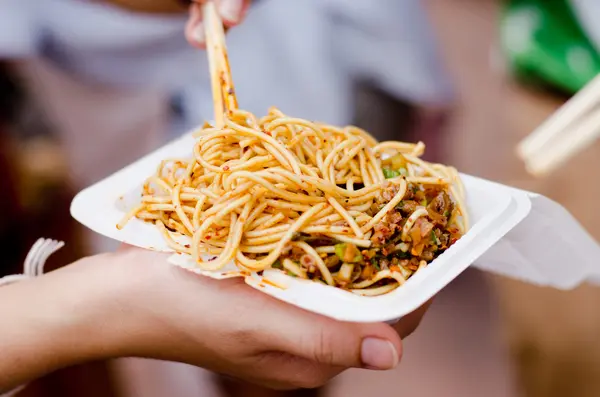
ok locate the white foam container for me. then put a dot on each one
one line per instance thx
(495, 210)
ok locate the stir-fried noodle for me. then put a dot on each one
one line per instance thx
(318, 202)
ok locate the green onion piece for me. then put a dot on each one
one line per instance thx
(277, 265)
(434, 239)
(389, 174)
(340, 249)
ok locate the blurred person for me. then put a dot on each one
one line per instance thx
(123, 305)
(105, 58)
(137, 68)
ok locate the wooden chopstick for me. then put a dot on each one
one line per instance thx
(224, 98)
(570, 130)
(584, 101)
(579, 135)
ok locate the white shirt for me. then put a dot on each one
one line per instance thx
(298, 55)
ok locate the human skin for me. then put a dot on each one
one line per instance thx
(133, 304)
(232, 12)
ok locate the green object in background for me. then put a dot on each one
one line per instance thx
(544, 42)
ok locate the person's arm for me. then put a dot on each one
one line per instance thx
(133, 304)
(232, 12)
(152, 6)
(53, 322)
(230, 9)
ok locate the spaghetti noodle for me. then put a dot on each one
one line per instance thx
(318, 202)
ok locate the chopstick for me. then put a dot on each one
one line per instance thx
(575, 126)
(224, 98)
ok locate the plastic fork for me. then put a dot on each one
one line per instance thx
(35, 260)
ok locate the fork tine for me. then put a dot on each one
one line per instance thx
(33, 250)
(35, 260)
(52, 247)
(44, 255)
(57, 245)
(41, 249)
(41, 258)
(29, 259)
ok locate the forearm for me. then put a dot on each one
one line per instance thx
(45, 325)
(26, 341)
(152, 6)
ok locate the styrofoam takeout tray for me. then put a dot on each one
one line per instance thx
(494, 210)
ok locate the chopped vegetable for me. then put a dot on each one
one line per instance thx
(345, 273)
(415, 234)
(367, 272)
(403, 255)
(375, 264)
(395, 268)
(348, 253)
(347, 264)
(293, 267)
(417, 250)
(434, 239)
(403, 247)
(277, 265)
(405, 272)
(389, 174)
(398, 161)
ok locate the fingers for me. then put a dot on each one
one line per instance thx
(281, 371)
(232, 13)
(123, 247)
(409, 323)
(194, 29)
(338, 344)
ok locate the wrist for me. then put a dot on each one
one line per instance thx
(95, 309)
(73, 313)
(98, 306)
(120, 309)
(44, 328)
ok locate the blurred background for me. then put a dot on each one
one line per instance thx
(86, 88)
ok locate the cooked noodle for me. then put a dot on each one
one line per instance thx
(318, 202)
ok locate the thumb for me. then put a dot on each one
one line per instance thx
(339, 344)
(232, 11)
